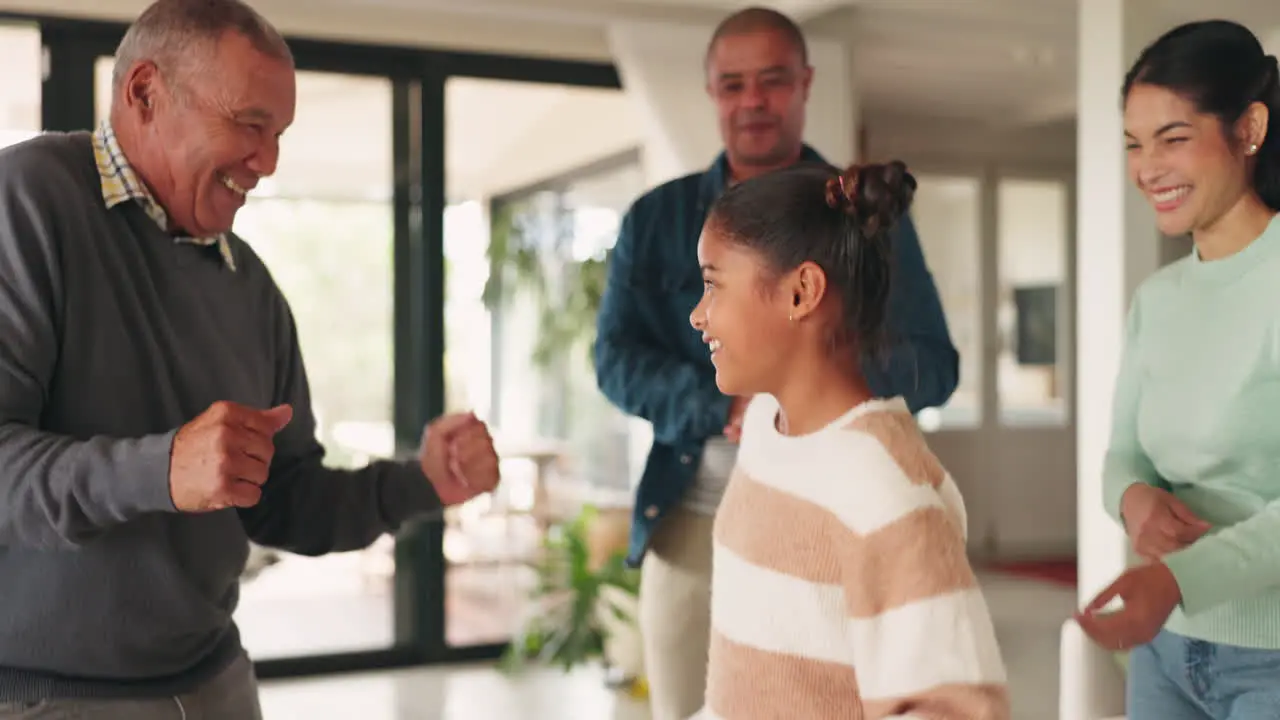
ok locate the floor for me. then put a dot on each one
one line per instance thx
(1027, 614)
(301, 606)
(483, 604)
(459, 693)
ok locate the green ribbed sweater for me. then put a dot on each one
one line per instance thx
(1197, 412)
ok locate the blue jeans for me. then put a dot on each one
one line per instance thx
(1178, 678)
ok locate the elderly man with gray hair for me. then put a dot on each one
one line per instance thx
(154, 410)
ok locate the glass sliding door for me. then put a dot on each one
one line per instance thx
(537, 179)
(323, 226)
(20, 55)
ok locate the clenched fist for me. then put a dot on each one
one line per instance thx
(458, 457)
(222, 458)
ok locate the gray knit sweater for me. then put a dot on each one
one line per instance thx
(111, 337)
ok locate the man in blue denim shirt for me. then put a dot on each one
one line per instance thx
(651, 363)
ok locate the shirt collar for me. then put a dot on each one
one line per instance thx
(120, 184)
(716, 178)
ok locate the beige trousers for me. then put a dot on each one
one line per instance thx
(675, 613)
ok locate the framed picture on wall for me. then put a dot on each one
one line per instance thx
(1036, 339)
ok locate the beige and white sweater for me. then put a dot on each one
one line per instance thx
(841, 588)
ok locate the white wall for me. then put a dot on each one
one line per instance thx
(1118, 248)
(964, 143)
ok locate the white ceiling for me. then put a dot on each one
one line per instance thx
(1004, 62)
(986, 59)
(994, 63)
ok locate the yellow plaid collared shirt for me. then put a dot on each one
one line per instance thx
(121, 184)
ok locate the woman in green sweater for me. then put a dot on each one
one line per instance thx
(1193, 469)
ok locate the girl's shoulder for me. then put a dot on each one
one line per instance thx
(897, 435)
(869, 468)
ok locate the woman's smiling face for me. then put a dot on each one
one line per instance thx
(1181, 159)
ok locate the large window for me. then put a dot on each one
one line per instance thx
(556, 239)
(20, 56)
(323, 226)
(538, 178)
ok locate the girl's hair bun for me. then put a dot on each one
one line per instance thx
(874, 195)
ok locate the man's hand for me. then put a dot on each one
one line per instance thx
(458, 457)
(1149, 593)
(733, 426)
(222, 458)
(1157, 522)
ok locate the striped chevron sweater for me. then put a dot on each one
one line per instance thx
(841, 588)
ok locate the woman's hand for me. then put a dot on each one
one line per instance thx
(1157, 522)
(1149, 593)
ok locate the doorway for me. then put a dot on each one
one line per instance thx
(1000, 243)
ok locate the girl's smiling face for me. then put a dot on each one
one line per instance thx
(742, 319)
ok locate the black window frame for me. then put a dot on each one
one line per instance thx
(418, 75)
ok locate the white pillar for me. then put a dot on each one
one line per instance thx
(1117, 248)
(661, 66)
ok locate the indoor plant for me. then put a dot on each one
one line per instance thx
(583, 606)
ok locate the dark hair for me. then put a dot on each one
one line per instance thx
(841, 221)
(1220, 67)
(755, 19)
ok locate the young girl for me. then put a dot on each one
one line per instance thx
(1192, 469)
(840, 585)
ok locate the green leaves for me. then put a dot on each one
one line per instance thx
(523, 260)
(564, 628)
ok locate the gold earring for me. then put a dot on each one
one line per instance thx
(1253, 149)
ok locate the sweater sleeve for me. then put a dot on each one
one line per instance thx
(924, 646)
(1239, 562)
(1126, 463)
(55, 490)
(310, 509)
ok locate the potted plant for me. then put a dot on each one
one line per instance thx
(583, 608)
